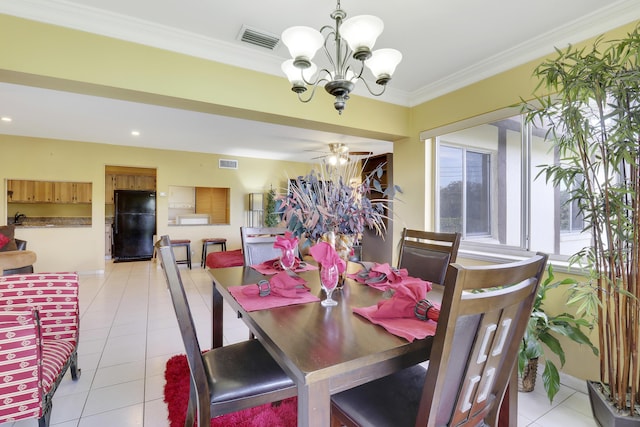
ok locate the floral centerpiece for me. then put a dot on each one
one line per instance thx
(334, 202)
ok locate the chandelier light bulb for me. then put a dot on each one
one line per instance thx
(303, 43)
(383, 63)
(295, 74)
(361, 33)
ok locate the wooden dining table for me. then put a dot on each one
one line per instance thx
(325, 350)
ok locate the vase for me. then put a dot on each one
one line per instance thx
(343, 244)
(604, 412)
(527, 381)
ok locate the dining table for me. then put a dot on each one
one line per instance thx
(325, 350)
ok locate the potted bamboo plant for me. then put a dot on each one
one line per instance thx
(591, 107)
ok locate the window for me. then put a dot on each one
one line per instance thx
(465, 178)
(487, 188)
(571, 220)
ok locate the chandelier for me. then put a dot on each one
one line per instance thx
(360, 34)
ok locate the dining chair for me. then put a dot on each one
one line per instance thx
(257, 243)
(426, 254)
(483, 318)
(225, 379)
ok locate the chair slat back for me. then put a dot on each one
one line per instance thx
(484, 315)
(257, 244)
(185, 321)
(427, 254)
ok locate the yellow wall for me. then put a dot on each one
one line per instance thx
(82, 249)
(59, 58)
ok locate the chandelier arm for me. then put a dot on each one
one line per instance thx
(384, 87)
(319, 78)
(313, 91)
(359, 75)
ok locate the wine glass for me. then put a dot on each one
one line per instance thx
(287, 259)
(328, 280)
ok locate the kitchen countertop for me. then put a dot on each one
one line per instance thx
(53, 222)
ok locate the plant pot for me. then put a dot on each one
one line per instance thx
(604, 412)
(527, 381)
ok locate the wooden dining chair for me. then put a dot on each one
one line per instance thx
(225, 379)
(257, 243)
(483, 318)
(427, 254)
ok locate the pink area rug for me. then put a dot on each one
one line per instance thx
(176, 395)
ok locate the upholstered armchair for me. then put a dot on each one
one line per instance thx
(14, 256)
(39, 325)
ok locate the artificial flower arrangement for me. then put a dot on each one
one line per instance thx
(336, 199)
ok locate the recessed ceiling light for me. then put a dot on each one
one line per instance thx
(6, 119)
(135, 132)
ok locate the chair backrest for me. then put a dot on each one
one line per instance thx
(484, 315)
(185, 321)
(427, 254)
(257, 244)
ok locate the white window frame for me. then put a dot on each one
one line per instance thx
(486, 251)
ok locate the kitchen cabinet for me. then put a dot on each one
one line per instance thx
(115, 181)
(72, 192)
(143, 182)
(43, 191)
(28, 191)
(82, 192)
(21, 191)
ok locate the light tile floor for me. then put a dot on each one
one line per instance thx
(128, 332)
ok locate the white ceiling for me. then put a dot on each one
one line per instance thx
(446, 44)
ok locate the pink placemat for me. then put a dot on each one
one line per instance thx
(267, 268)
(405, 327)
(253, 303)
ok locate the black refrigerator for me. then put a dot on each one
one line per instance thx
(134, 225)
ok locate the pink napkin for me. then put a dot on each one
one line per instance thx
(273, 266)
(283, 290)
(404, 300)
(288, 241)
(397, 314)
(326, 255)
(380, 276)
(281, 285)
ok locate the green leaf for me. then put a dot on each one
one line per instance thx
(551, 380)
(554, 345)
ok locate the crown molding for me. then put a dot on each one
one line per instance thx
(97, 21)
(594, 24)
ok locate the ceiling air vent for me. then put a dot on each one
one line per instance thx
(258, 37)
(227, 164)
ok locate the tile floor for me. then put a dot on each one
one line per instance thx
(128, 332)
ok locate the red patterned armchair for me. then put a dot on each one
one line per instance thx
(39, 325)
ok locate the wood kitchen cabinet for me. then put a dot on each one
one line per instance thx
(72, 192)
(124, 178)
(28, 191)
(82, 192)
(21, 191)
(43, 191)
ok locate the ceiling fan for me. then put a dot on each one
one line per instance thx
(339, 154)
